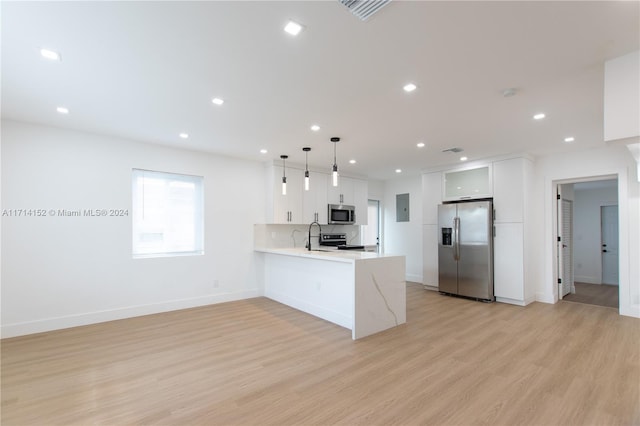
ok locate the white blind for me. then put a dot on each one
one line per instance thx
(167, 214)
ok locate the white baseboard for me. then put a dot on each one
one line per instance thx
(545, 298)
(413, 278)
(430, 288)
(630, 310)
(510, 301)
(57, 323)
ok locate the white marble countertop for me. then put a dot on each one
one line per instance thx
(347, 256)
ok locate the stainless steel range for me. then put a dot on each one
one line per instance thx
(339, 241)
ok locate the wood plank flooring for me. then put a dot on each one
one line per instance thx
(257, 362)
(595, 294)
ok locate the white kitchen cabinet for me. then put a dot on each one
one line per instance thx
(508, 263)
(352, 192)
(287, 208)
(341, 194)
(314, 201)
(430, 256)
(467, 184)
(361, 201)
(431, 197)
(508, 190)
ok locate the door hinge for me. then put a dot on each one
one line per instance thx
(559, 280)
(557, 196)
(559, 239)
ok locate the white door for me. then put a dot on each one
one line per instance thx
(371, 232)
(609, 232)
(567, 247)
(565, 254)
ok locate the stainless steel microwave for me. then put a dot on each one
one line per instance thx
(341, 214)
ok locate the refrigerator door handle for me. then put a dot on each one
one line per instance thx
(456, 238)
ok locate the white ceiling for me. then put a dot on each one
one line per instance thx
(148, 71)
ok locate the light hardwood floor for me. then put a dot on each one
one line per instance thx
(257, 362)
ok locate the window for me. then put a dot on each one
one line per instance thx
(167, 214)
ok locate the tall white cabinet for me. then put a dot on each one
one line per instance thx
(512, 181)
(431, 197)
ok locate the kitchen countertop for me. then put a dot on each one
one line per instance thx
(347, 256)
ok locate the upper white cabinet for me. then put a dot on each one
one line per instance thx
(287, 208)
(467, 184)
(352, 192)
(303, 207)
(341, 194)
(431, 197)
(314, 201)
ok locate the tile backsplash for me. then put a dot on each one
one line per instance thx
(285, 236)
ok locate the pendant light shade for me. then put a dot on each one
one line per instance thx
(334, 174)
(284, 174)
(306, 168)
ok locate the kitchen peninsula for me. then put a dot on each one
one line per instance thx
(364, 292)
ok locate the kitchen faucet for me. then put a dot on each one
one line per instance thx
(319, 227)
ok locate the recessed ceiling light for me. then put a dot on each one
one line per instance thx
(463, 158)
(217, 101)
(62, 110)
(539, 116)
(420, 144)
(398, 170)
(293, 28)
(263, 151)
(352, 161)
(315, 127)
(569, 139)
(184, 135)
(50, 54)
(410, 87)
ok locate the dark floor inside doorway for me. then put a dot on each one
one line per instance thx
(595, 294)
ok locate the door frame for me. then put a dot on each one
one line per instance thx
(379, 230)
(626, 307)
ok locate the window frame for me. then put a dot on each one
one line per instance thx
(198, 215)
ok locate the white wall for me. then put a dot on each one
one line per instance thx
(614, 161)
(376, 190)
(404, 238)
(60, 272)
(622, 97)
(587, 255)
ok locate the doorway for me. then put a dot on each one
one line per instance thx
(588, 249)
(371, 232)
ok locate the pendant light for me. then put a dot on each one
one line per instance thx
(284, 175)
(334, 175)
(306, 167)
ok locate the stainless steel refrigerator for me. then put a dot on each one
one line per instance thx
(465, 249)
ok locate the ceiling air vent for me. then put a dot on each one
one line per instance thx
(456, 150)
(363, 9)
